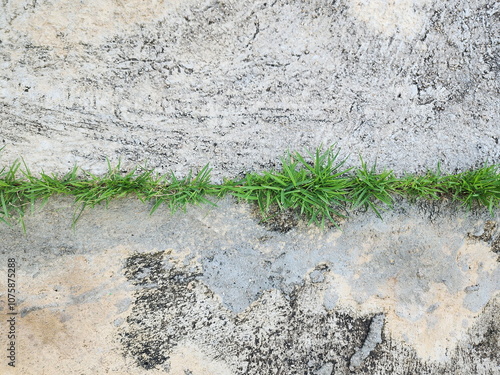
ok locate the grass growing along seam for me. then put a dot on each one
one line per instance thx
(316, 185)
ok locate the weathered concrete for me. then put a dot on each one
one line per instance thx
(177, 84)
(212, 291)
(236, 83)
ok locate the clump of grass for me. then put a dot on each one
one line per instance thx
(476, 187)
(315, 189)
(178, 193)
(315, 185)
(369, 188)
(20, 189)
(429, 186)
(11, 194)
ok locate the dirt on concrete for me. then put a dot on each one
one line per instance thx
(174, 85)
(213, 291)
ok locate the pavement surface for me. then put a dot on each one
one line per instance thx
(175, 85)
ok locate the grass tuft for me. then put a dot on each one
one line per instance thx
(315, 185)
(315, 189)
(476, 187)
(370, 188)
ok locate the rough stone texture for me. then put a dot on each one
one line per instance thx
(177, 84)
(212, 291)
(236, 83)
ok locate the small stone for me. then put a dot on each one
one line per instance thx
(372, 340)
(317, 276)
(326, 369)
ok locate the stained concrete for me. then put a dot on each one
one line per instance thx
(214, 291)
(174, 85)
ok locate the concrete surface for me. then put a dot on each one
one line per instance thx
(177, 84)
(236, 83)
(212, 291)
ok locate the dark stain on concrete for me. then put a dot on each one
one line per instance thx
(487, 232)
(276, 220)
(275, 334)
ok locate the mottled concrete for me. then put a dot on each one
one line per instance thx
(176, 84)
(212, 291)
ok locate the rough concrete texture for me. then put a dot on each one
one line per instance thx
(213, 291)
(176, 84)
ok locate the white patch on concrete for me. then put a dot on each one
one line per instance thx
(190, 359)
(404, 17)
(63, 22)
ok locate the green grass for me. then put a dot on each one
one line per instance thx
(316, 189)
(315, 185)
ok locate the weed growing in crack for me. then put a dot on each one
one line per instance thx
(368, 188)
(316, 186)
(316, 190)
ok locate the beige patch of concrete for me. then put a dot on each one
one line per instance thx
(69, 314)
(474, 257)
(189, 358)
(63, 22)
(432, 326)
(436, 326)
(404, 17)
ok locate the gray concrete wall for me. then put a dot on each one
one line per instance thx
(175, 85)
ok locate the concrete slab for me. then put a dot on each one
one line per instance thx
(179, 84)
(175, 85)
(212, 291)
